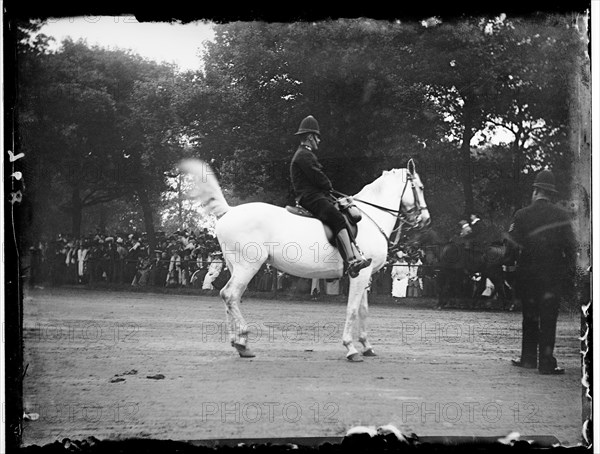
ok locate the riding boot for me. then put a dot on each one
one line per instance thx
(349, 255)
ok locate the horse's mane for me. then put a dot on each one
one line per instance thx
(376, 186)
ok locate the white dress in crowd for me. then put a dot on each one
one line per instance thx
(71, 258)
(214, 269)
(81, 258)
(400, 275)
(174, 274)
(315, 284)
(489, 286)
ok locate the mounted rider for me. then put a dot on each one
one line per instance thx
(313, 192)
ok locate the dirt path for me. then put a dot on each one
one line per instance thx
(90, 355)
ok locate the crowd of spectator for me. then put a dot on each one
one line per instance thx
(181, 259)
(194, 259)
(123, 258)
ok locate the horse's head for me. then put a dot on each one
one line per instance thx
(399, 192)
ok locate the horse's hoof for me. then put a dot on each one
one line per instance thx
(244, 351)
(354, 357)
(369, 352)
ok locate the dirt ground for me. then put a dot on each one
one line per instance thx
(120, 364)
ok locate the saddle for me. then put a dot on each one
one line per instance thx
(351, 223)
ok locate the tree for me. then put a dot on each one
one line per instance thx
(68, 127)
(150, 138)
(457, 67)
(535, 80)
(263, 79)
(107, 124)
(31, 51)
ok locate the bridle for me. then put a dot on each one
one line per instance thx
(406, 219)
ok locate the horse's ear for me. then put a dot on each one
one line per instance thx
(411, 167)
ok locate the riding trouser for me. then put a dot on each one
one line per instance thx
(324, 209)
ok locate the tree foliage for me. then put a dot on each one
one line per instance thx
(383, 92)
(99, 125)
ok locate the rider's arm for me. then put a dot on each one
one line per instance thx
(313, 170)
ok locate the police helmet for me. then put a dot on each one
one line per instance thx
(309, 124)
(545, 180)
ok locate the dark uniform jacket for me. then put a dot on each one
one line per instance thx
(307, 175)
(477, 229)
(477, 239)
(543, 242)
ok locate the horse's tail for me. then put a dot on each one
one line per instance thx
(207, 189)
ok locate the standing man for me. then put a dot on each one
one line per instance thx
(477, 226)
(312, 189)
(543, 244)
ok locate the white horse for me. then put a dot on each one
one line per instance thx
(254, 233)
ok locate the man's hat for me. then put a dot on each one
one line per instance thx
(545, 180)
(309, 124)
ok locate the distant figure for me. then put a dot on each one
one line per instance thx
(476, 239)
(315, 288)
(174, 276)
(415, 285)
(400, 275)
(427, 273)
(214, 269)
(465, 229)
(476, 225)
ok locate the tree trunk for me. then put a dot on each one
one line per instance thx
(76, 212)
(148, 217)
(517, 168)
(102, 220)
(180, 201)
(465, 153)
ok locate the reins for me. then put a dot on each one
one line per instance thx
(389, 210)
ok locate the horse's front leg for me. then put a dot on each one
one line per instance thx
(358, 286)
(363, 312)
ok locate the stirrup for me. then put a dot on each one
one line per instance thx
(354, 266)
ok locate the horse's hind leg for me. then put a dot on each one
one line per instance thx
(358, 286)
(363, 312)
(231, 294)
